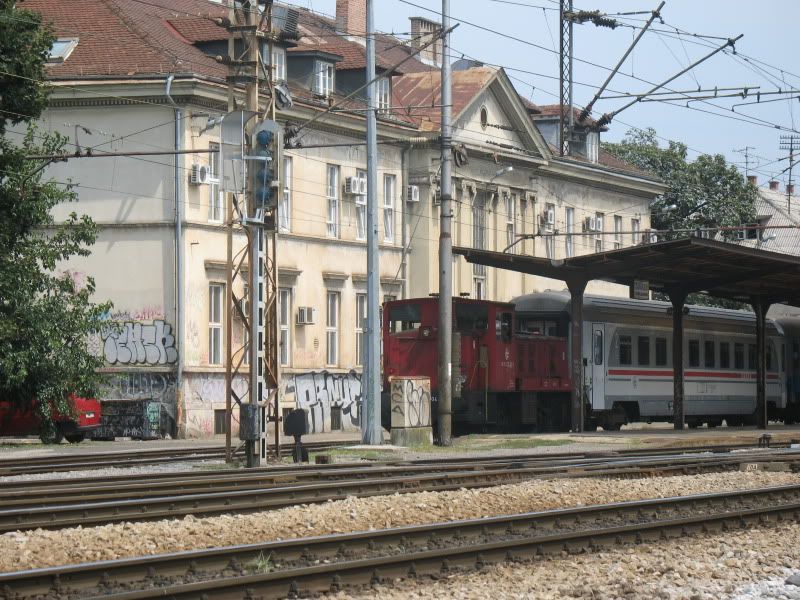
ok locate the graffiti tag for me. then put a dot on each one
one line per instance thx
(137, 343)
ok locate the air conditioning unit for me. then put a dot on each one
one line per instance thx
(362, 185)
(412, 193)
(352, 185)
(199, 174)
(306, 315)
(589, 224)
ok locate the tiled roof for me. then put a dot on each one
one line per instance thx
(422, 92)
(549, 111)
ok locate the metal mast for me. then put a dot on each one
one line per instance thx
(791, 143)
(565, 77)
(445, 333)
(370, 423)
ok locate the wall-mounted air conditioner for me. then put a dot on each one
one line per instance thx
(362, 185)
(306, 315)
(412, 193)
(589, 224)
(199, 174)
(352, 185)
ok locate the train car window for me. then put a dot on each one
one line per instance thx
(770, 357)
(783, 356)
(710, 354)
(625, 350)
(471, 317)
(795, 355)
(661, 352)
(751, 356)
(405, 317)
(694, 353)
(598, 347)
(738, 355)
(503, 326)
(724, 355)
(643, 348)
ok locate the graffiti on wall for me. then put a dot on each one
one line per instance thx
(320, 393)
(145, 385)
(411, 403)
(135, 343)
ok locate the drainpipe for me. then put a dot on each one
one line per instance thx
(404, 157)
(179, 259)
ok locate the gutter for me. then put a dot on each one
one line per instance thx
(179, 259)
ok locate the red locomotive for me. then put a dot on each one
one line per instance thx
(504, 378)
(23, 420)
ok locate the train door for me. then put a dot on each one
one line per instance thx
(598, 366)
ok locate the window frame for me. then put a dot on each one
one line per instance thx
(216, 322)
(324, 80)
(510, 202)
(361, 318)
(278, 66)
(617, 232)
(285, 208)
(332, 222)
(625, 340)
(389, 195)
(383, 94)
(360, 201)
(641, 356)
(216, 198)
(332, 314)
(285, 326)
(569, 244)
(661, 344)
(693, 360)
(636, 234)
(599, 220)
(724, 355)
(709, 354)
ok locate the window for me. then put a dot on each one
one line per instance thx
(333, 201)
(479, 288)
(332, 329)
(384, 94)
(215, 293)
(336, 418)
(220, 421)
(285, 208)
(361, 211)
(709, 354)
(597, 351)
(738, 356)
(724, 355)
(361, 319)
(795, 355)
(215, 196)
(61, 49)
(285, 322)
(751, 356)
(549, 228)
(479, 231)
(661, 352)
(770, 362)
(636, 237)
(511, 218)
(625, 350)
(694, 353)
(324, 78)
(617, 232)
(388, 208)
(278, 64)
(598, 237)
(569, 242)
(643, 349)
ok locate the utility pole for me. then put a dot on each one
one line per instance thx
(791, 143)
(370, 422)
(566, 118)
(446, 246)
(746, 153)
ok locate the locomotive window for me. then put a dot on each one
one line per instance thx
(738, 355)
(661, 352)
(405, 317)
(751, 356)
(625, 350)
(538, 327)
(471, 317)
(503, 326)
(724, 355)
(644, 351)
(710, 355)
(694, 353)
(598, 347)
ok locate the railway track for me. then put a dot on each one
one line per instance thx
(67, 503)
(289, 568)
(32, 465)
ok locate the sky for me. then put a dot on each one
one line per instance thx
(525, 43)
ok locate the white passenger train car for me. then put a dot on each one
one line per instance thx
(627, 359)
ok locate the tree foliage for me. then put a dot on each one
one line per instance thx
(45, 317)
(706, 193)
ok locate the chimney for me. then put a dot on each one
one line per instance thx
(422, 31)
(752, 179)
(790, 189)
(351, 17)
(774, 185)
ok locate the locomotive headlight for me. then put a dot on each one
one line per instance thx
(426, 332)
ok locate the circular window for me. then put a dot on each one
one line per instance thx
(484, 117)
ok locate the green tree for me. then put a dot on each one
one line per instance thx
(45, 318)
(706, 193)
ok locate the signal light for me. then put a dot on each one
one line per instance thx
(263, 165)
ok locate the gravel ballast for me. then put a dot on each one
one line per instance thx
(740, 565)
(38, 548)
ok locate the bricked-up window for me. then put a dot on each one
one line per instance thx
(216, 197)
(215, 303)
(333, 201)
(332, 329)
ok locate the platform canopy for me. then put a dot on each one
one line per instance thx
(678, 268)
(689, 265)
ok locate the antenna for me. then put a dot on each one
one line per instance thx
(746, 153)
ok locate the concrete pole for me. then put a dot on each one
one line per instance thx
(370, 415)
(678, 299)
(445, 333)
(576, 289)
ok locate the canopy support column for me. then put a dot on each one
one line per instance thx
(576, 289)
(760, 308)
(678, 299)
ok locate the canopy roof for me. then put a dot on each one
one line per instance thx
(687, 265)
